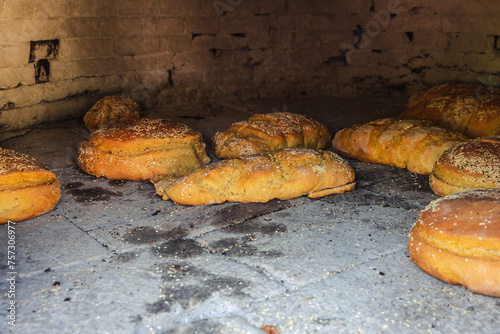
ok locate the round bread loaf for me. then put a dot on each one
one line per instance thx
(457, 239)
(468, 165)
(142, 149)
(110, 110)
(27, 188)
(471, 109)
(270, 132)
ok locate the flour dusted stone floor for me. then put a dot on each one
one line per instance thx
(113, 257)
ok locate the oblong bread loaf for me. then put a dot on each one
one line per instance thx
(471, 109)
(282, 174)
(457, 239)
(411, 144)
(142, 150)
(469, 165)
(27, 188)
(270, 132)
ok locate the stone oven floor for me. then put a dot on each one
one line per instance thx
(113, 257)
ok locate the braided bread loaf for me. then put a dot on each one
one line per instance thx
(270, 132)
(411, 144)
(473, 110)
(283, 174)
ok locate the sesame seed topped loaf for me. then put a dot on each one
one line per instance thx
(27, 188)
(282, 174)
(270, 132)
(411, 144)
(469, 165)
(110, 110)
(457, 239)
(471, 109)
(142, 149)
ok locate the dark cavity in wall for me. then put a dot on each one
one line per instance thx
(48, 49)
(496, 44)
(217, 52)
(42, 71)
(40, 54)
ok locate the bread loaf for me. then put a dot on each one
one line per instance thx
(270, 132)
(471, 109)
(411, 144)
(282, 174)
(468, 165)
(457, 239)
(27, 188)
(110, 110)
(142, 149)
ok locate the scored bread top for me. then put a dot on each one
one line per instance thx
(475, 163)
(143, 135)
(270, 132)
(18, 170)
(471, 109)
(282, 174)
(411, 144)
(110, 110)
(465, 223)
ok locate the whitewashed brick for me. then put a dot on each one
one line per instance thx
(15, 55)
(87, 48)
(135, 46)
(77, 27)
(176, 43)
(17, 75)
(202, 25)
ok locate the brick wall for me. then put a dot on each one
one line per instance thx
(57, 60)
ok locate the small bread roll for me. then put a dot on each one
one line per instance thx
(110, 110)
(27, 188)
(270, 132)
(471, 109)
(142, 149)
(457, 239)
(282, 174)
(469, 165)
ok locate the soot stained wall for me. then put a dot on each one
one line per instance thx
(57, 60)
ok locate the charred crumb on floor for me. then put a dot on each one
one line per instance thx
(179, 248)
(93, 194)
(118, 183)
(126, 257)
(245, 211)
(253, 226)
(73, 185)
(186, 296)
(147, 234)
(241, 247)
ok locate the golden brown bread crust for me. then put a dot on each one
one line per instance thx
(469, 165)
(142, 149)
(411, 144)
(471, 109)
(282, 174)
(457, 239)
(27, 188)
(110, 110)
(270, 132)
